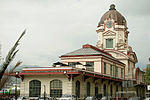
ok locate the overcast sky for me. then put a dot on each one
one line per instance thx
(56, 27)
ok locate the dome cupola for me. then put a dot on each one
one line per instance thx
(113, 14)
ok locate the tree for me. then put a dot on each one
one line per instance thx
(10, 56)
(7, 78)
(147, 74)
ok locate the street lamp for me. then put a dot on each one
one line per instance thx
(16, 86)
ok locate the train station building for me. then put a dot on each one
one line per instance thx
(90, 70)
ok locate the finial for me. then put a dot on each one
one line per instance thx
(112, 7)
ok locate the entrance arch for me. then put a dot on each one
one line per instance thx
(78, 88)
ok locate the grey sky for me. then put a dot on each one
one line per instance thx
(56, 27)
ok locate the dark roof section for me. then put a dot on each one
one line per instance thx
(90, 51)
(113, 14)
(87, 50)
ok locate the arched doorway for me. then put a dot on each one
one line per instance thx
(96, 90)
(88, 88)
(111, 90)
(105, 89)
(77, 88)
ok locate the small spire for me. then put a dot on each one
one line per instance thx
(112, 7)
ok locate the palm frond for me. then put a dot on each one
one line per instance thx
(10, 56)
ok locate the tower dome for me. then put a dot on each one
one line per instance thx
(113, 14)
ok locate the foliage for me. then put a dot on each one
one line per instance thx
(10, 56)
(6, 78)
(147, 74)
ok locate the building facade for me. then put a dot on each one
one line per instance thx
(91, 70)
(112, 33)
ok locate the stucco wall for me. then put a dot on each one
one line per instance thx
(99, 83)
(45, 80)
(83, 60)
(69, 87)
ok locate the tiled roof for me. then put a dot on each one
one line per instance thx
(83, 51)
(89, 50)
(113, 14)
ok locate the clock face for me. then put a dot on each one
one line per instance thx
(109, 24)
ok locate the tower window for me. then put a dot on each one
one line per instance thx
(109, 43)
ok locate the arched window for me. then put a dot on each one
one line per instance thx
(78, 89)
(35, 88)
(55, 88)
(96, 90)
(104, 89)
(116, 88)
(88, 88)
(121, 91)
(111, 90)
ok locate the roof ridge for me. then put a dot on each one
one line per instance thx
(95, 48)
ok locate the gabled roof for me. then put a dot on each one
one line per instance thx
(83, 51)
(89, 50)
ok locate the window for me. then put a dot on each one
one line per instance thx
(122, 91)
(104, 68)
(116, 71)
(88, 88)
(121, 72)
(34, 88)
(96, 90)
(78, 89)
(142, 77)
(109, 43)
(91, 64)
(55, 88)
(111, 90)
(72, 64)
(111, 70)
(116, 88)
(105, 90)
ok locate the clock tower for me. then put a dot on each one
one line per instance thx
(112, 33)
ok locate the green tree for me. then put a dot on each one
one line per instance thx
(147, 74)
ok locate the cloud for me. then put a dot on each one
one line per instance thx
(55, 27)
(134, 7)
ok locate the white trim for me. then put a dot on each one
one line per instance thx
(45, 68)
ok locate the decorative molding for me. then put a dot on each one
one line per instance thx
(100, 30)
(119, 29)
(109, 33)
(116, 51)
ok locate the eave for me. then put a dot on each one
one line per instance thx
(68, 72)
